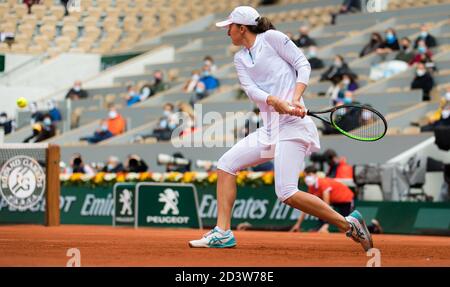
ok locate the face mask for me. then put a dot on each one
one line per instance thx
(366, 115)
(47, 121)
(208, 63)
(77, 88)
(337, 63)
(346, 81)
(110, 166)
(104, 128)
(423, 34)
(445, 114)
(112, 114)
(310, 180)
(312, 54)
(447, 96)
(167, 113)
(420, 73)
(2, 120)
(390, 38)
(422, 49)
(206, 73)
(199, 89)
(405, 47)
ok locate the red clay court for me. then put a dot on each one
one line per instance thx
(32, 245)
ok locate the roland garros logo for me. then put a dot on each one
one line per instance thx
(22, 182)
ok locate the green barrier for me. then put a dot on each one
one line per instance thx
(167, 205)
(112, 60)
(2, 63)
(124, 204)
(257, 206)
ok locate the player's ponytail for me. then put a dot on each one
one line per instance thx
(263, 25)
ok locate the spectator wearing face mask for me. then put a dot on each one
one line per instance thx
(116, 123)
(304, 40)
(36, 115)
(429, 39)
(192, 82)
(133, 96)
(113, 165)
(442, 116)
(76, 92)
(167, 123)
(406, 53)
(313, 59)
(209, 61)
(53, 111)
(424, 55)
(346, 88)
(253, 122)
(423, 80)
(337, 70)
(101, 134)
(6, 124)
(136, 164)
(200, 92)
(42, 131)
(390, 43)
(158, 84)
(376, 41)
(211, 82)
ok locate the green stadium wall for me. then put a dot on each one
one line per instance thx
(257, 206)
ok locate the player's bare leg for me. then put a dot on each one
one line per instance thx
(221, 236)
(353, 225)
(226, 195)
(313, 205)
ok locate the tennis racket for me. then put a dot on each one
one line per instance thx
(358, 122)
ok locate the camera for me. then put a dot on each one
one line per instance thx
(206, 164)
(165, 159)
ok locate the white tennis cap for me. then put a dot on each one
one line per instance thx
(244, 15)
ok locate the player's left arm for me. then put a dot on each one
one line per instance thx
(326, 195)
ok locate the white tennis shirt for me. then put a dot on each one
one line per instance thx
(273, 66)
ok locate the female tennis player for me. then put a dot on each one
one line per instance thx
(274, 73)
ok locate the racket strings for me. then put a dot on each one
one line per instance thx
(359, 123)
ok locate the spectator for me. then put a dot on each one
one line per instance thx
(313, 60)
(136, 164)
(442, 116)
(77, 165)
(304, 40)
(338, 167)
(167, 123)
(158, 83)
(338, 69)
(389, 44)
(209, 62)
(376, 41)
(53, 111)
(76, 92)
(348, 6)
(192, 82)
(406, 53)
(42, 131)
(335, 194)
(30, 3)
(429, 39)
(100, 134)
(133, 96)
(113, 165)
(423, 80)
(200, 93)
(424, 55)
(188, 120)
(36, 116)
(346, 86)
(7, 124)
(211, 82)
(116, 123)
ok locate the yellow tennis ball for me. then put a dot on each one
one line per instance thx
(21, 102)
